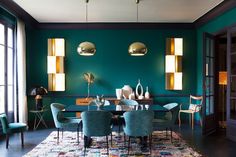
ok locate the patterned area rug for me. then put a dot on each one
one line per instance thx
(68, 147)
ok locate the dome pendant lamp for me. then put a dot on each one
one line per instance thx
(86, 48)
(137, 48)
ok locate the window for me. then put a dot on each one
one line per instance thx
(6, 68)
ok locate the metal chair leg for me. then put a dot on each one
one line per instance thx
(85, 142)
(78, 133)
(150, 144)
(179, 119)
(128, 145)
(58, 130)
(107, 145)
(7, 141)
(111, 139)
(171, 134)
(22, 139)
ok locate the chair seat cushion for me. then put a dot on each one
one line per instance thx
(16, 127)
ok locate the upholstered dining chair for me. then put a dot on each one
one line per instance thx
(10, 128)
(138, 123)
(95, 124)
(61, 121)
(195, 105)
(168, 120)
(125, 105)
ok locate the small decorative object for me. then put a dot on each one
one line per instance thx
(89, 78)
(38, 92)
(100, 101)
(139, 94)
(147, 94)
(132, 96)
(119, 93)
(127, 90)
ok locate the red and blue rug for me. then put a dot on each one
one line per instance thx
(68, 147)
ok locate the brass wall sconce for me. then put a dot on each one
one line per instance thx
(173, 63)
(56, 75)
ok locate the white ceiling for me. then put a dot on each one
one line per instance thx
(117, 10)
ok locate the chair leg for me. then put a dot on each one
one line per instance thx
(7, 141)
(22, 139)
(124, 139)
(62, 131)
(58, 130)
(78, 133)
(85, 142)
(111, 139)
(179, 119)
(150, 144)
(171, 134)
(107, 145)
(128, 145)
(192, 120)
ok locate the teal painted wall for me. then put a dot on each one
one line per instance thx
(215, 25)
(112, 66)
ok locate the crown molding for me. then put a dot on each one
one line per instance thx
(224, 6)
(133, 25)
(18, 12)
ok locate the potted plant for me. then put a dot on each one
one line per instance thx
(89, 78)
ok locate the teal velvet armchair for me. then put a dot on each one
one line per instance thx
(139, 124)
(169, 119)
(61, 121)
(10, 128)
(96, 123)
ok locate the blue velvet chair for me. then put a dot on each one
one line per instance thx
(139, 124)
(96, 123)
(169, 118)
(61, 121)
(124, 104)
(10, 128)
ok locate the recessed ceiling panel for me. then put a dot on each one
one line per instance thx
(117, 10)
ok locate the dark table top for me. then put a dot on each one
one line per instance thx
(112, 108)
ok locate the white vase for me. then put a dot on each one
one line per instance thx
(147, 94)
(119, 93)
(139, 93)
(127, 90)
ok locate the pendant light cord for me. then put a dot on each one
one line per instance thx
(137, 2)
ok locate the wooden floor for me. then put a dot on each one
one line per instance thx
(215, 145)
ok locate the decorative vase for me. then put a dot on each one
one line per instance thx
(127, 90)
(132, 96)
(147, 94)
(119, 93)
(139, 90)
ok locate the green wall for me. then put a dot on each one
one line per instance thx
(112, 66)
(215, 25)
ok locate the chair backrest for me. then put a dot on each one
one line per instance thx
(138, 122)
(57, 114)
(4, 122)
(170, 106)
(128, 102)
(96, 123)
(195, 102)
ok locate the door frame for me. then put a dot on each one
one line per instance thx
(208, 121)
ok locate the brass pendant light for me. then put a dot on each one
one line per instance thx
(86, 48)
(137, 48)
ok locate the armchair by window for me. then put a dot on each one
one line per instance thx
(10, 128)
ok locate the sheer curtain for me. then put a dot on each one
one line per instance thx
(21, 72)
